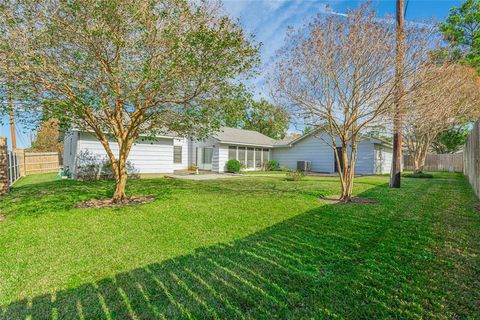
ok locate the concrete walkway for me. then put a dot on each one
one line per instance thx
(204, 176)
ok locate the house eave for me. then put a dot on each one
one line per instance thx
(245, 144)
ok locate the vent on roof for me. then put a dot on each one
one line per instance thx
(304, 165)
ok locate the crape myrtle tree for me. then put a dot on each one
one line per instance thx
(450, 97)
(338, 74)
(120, 68)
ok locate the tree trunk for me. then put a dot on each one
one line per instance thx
(347, 188)
(347, 174)
(419, 161)
(121, 177)
(119, 166)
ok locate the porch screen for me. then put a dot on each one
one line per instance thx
(232, 153)
(250, 160)
(241, 155)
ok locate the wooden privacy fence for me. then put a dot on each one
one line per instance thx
(437, 162)
(41, 162)
(472, 158)
(18, 163)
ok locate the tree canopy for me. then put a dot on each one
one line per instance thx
(48, 137)
(462, 29)
(259, 115)
(337, 74)
(451, 140)
(121, 68)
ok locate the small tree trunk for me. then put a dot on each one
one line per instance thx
(120, 182)
(419, 162)
(346, 195)
(348, 175)
(121, 177)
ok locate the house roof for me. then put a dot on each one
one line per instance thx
(243, 137)
(282, 143)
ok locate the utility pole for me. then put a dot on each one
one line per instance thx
(11, 113)
(399, 92)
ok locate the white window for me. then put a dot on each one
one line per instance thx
(177, 154)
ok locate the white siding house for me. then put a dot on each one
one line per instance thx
(165, 154)
(146, 156)
(373, 156)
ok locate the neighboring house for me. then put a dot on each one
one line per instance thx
(168, 153)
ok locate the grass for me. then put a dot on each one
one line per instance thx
(263, 172)
(251, 247)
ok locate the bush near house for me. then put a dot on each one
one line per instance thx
(295, 175)
(233, 166)
(270, 165)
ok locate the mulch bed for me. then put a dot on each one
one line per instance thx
(359, 200)
(108, 203)
(477, 207)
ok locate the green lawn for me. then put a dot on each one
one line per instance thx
(250, 247)
(263, 172)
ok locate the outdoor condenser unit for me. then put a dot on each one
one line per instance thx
(304, 165)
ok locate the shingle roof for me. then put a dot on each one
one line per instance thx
(242, 136)
(283, 142)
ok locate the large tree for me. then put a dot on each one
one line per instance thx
(462, 29)
(338, 75)
(260, 115)
(452, 139)
(122, 68)
(48, 137)
(449, 97)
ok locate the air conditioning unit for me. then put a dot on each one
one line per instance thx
(304, 165)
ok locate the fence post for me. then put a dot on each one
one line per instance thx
(4, 183)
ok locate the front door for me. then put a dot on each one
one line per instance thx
(339, 153)
(204, 158)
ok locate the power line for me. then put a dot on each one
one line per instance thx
(406, 8)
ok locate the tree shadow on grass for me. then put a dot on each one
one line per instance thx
(346, 261)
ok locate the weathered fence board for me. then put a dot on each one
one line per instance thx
(38, 162)
(437, 162)
(471, 152)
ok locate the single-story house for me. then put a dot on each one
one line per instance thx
(374, 156)
(167, 153)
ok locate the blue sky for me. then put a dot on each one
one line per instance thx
(268, 21)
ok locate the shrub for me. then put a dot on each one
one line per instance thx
(270, 165)
(233, 166)
(295, 175)
(106, 171)
(285, 168)
(98, 169)
(419, 175)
